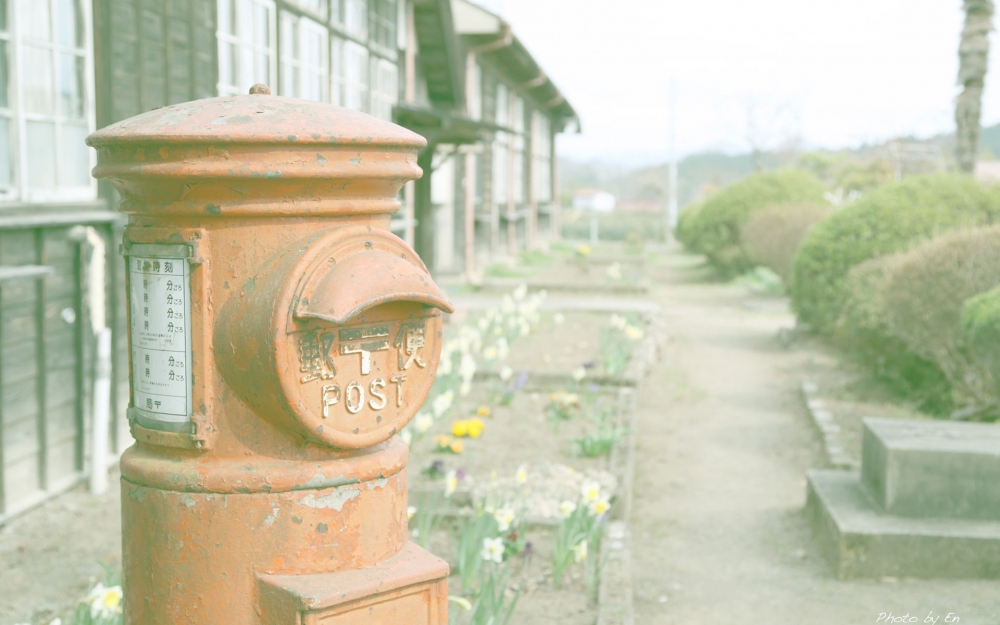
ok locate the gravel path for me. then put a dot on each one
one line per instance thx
(719, 530)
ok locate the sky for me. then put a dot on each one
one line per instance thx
(765, 73)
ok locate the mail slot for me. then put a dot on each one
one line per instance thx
(280, 337)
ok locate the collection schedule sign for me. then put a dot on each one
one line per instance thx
(159, 296)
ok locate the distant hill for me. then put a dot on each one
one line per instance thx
(702, 173)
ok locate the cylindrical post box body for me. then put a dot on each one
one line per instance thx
(280, 336)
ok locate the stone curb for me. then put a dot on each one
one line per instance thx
(833, 442)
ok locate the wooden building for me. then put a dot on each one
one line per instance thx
(445, 68)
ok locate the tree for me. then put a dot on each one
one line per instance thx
(973, 51)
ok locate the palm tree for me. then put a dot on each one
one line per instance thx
(972, 60)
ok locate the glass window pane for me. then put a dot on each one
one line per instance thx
(227, 63)
(336, 12)
(71, 85)
(5, 170)
(356, 18)
(243, 20)
(4, 103)
(40, 140)
(35, 19)
(337, 71)
(356, 77)
(262, 68)
(69, 23)
(3, 15)
(38, 80)
(74, 161)
(262, 25)
(227, 16)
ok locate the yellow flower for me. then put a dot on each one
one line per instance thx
(442, 441)
(566, 508)
(460, 428)
(456, 447)
(580, 551)
(475, 427)
(522, 474)
(634, 333)
(483, 411)
(599, 507)
(450, 483)
(410, 511)
(583, 250)
(590, 490)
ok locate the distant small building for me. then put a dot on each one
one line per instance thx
(594, 200)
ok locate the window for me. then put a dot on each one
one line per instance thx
(385, 89)
(316, 7)
(383, 24)
(336, 70)
(303, 58)
(356, 76)
(43, 124)
(246, 45)
(475, 95)
(356, 18)
(518, 158)
(541, 150)
(501, 153)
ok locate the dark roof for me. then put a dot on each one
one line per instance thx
(438, 53)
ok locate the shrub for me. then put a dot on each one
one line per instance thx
(772, 235)
(924, 294)
(715, 228)
(981, 332)
(890, 219)
(685, 227)
(863, 331)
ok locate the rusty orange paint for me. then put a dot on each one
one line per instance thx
(314, 335)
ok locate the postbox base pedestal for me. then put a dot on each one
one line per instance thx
(410, 588)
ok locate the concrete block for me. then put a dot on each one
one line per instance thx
(933, 468)
(860, 540)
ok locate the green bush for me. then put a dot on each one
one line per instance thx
(863, 331)
(714, 228)
(614, 226)
(981, 332)
(772, 235)
(923, 301)
(890, 219)
(685, 226)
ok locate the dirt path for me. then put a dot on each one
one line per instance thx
(719, 530)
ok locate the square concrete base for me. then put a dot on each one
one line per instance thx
(861, 540)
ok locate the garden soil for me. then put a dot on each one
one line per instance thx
(719, 531)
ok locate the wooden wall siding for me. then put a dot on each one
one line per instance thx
(152, 53)
(44, 368)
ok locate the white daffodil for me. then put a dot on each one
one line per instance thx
(614, 271)
(525, 329)
(634, 333)
(520, 292)
(407, 436)
(491, 353)
(450, 483)
(105, 602)
(444, 364)
(464, 389)
(599, 507)
(493, 549)
(462, 602)
(617, 322)
(566, 508)
(506, 305)
(442, 403)
(467, 368)
(522, 474)
(580, 551)
(483, 323)
(503, 348)
(506, 373)
(590, 490)
(410, 511)
(559, 319)
(504, 517)
(579, 373)
(423, 422)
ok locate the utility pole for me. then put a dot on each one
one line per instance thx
(672, 215)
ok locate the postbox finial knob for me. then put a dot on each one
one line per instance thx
(260, 89)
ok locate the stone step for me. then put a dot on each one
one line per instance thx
(861, 540)
(933, 468)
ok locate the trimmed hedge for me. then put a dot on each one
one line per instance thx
(863, 330)
(714, 228)
(981, 332)
(772, 236)
(923, 297)
(685, 227)
(890, 219)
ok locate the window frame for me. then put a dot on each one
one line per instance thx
(224, 38)
(20, 188)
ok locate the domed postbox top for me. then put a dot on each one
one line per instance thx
(256, 118)
(259, 155)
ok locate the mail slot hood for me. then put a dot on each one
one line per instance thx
(378, 271)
